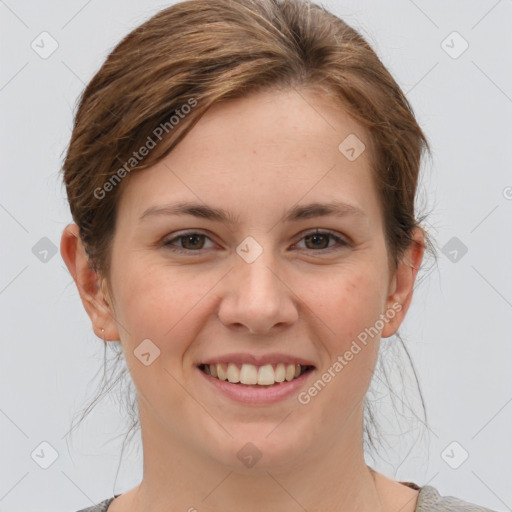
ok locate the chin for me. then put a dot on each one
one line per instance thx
(258, 448)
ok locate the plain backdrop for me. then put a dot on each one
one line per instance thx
(457, 331)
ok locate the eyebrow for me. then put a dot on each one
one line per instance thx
(308, 211)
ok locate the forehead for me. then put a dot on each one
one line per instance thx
(271, 148)
(292, 120)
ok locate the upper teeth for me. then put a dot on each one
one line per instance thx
(250, 374)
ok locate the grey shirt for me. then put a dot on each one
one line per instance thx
(429, 500)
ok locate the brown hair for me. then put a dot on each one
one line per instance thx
(199, 52)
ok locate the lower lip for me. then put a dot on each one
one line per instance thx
(250, 395)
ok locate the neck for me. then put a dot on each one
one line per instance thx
(176, 477)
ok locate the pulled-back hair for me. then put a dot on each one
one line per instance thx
(164, 75)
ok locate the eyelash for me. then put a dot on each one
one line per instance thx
(341, 241)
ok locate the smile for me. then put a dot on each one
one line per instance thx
(253, 375)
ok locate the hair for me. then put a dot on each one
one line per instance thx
(164, 75)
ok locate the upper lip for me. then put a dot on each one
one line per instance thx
(257, 360)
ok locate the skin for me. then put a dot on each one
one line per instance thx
(256, 157)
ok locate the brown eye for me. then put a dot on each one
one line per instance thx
(195, 241)
(191, 241)
(319, 240)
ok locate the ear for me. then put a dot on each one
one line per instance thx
(91, 287)
(401, 284)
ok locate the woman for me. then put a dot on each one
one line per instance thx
(242, 177)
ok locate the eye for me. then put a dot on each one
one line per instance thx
(190, 242)
(193, 241)
(317, 240)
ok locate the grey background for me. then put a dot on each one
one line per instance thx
(458, 328)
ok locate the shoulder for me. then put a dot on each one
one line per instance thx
(100, 507)
(429, 500)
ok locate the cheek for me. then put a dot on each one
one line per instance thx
(160, 303)
(347, 303)
(141, 298)
(348, 306)
(345, 376)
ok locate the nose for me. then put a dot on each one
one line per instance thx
(256, 298)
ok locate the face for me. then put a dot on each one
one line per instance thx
(252, 277)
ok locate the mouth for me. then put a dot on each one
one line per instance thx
(254, 376)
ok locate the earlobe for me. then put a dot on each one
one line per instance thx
(402, 284)
(91, 287)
